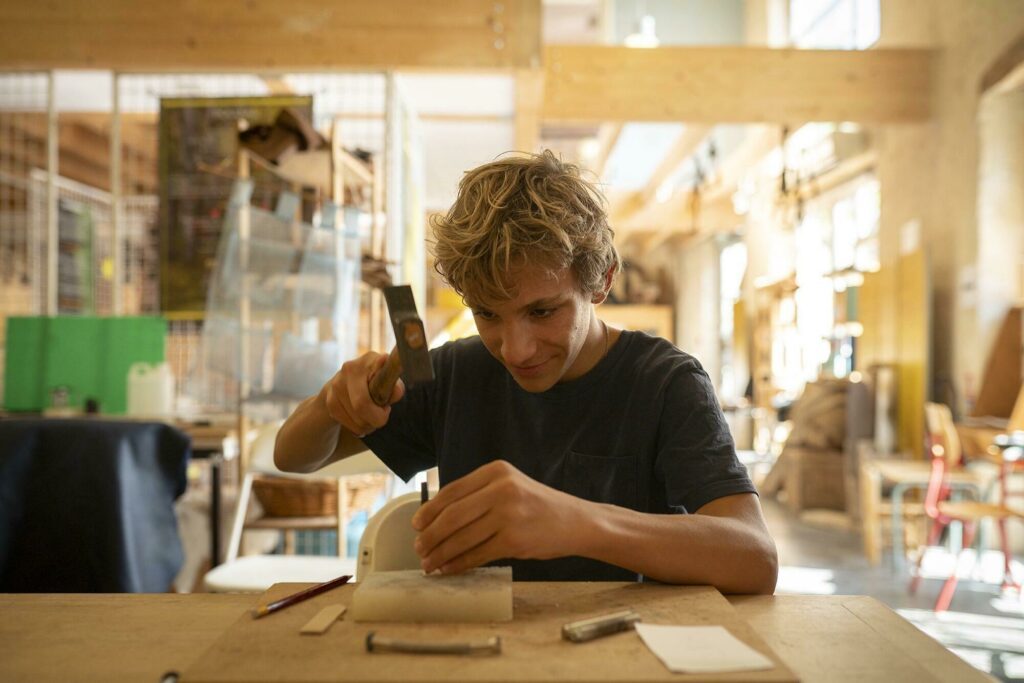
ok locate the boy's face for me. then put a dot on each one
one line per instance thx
(547, 334)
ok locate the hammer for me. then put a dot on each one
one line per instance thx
(410, 355)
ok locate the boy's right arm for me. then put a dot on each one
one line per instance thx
(328, 426)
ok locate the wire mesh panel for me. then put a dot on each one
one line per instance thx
(24, 104)
(24, 107)
(83, 244)
(356, 100)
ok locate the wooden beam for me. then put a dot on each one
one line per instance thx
(607, 137)
(627, 207)
(266, 35)
(1007, 71)
(758, 143)
(529, 102)
(736, 84)
(710, 218)
(682, 149)
(841, 173)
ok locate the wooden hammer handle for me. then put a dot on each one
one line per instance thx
(382, 383)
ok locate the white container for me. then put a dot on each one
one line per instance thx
(150, 390)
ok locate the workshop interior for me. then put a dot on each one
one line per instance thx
(207, 209)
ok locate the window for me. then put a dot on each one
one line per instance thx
(837, 242)
(733, 265)
(834, 24)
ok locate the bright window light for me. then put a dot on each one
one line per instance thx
(835, 24)
(805, 581)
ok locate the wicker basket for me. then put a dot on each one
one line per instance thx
(297, 498)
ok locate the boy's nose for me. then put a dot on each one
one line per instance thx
(517, 345)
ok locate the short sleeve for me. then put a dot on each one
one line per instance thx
(696, 456)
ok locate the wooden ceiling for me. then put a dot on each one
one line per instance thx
(595, 87)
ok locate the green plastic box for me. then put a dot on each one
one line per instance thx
(90, 356)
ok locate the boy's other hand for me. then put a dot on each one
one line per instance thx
(492, 513)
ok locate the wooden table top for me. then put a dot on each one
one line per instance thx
(140, 637)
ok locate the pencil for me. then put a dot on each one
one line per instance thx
(288, 601)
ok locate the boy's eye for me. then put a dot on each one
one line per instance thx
(542, 312)
(483, 315)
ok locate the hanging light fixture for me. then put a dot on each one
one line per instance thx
(644, 34)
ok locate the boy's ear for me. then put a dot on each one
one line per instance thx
(599, 297)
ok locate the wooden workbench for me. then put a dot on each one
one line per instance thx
(139, 637)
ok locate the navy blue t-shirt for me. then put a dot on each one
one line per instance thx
(642, 430)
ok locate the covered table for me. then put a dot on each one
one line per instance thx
(88, 505)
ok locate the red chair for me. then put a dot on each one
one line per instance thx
(944, 447)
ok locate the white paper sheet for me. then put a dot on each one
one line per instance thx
(701, 649)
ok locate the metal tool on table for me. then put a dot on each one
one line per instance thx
(410, 358)
(595, 627)
(490, 646)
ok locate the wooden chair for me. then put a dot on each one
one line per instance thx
(944, 448)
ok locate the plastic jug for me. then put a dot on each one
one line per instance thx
(150, 389)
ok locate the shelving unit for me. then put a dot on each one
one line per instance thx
(346, 194)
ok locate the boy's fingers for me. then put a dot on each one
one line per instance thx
(457, 490)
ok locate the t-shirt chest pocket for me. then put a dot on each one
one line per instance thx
(600, 478)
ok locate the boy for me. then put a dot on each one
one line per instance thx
(566, 448)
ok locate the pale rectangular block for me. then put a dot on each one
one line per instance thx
(319, 624)
(480, 595)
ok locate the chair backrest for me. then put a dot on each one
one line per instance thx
(261, 450)
(1016, 421)
(943, 446)
(261, 467)
(262, 459)
(943, 440)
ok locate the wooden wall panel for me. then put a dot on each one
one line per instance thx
(914, 350)
(869, 314)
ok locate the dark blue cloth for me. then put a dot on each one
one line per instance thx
(87, 506)
(641, 430)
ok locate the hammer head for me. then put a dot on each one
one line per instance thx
(410, 337)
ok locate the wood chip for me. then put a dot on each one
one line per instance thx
(319, 624)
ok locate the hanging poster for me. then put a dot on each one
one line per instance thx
(198, 164)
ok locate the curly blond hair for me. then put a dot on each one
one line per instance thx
(524, 209)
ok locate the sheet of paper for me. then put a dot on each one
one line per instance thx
(701, 649)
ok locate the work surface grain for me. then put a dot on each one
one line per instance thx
(123, 637)
(272, 649)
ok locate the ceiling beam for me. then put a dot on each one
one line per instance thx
(607, 137)
(758, 143)
(587, 83)
(640, 209)
(266, 35)
(529, 84)
(1006, 73)
(682, 149)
